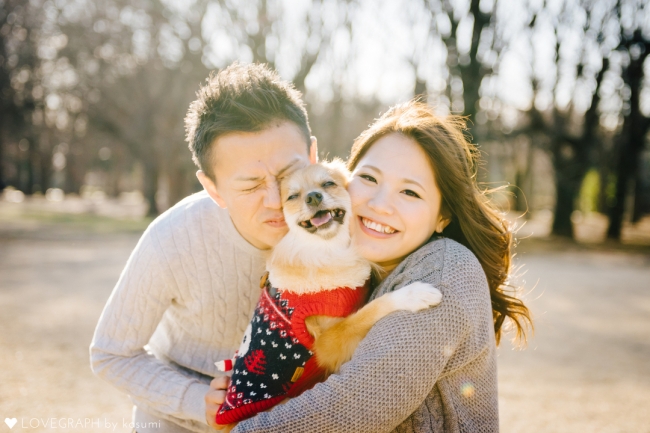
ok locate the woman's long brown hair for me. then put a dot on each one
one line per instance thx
(475, 222)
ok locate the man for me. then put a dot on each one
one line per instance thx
(191, 284)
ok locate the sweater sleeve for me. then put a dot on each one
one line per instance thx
(391, 373)
(143, 292)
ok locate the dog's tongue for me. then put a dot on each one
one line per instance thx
(318, 221)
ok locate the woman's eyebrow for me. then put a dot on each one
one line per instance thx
(405, 180)
(411, 181)
(372, 167)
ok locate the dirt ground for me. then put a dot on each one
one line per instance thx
(586, 369)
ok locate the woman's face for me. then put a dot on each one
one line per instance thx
(395, 200)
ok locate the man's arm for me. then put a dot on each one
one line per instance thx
(393, 370)
(144, 291)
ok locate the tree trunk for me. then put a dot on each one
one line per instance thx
(151, 174)
(3, 143)
(420, 89)
(618, 209)
(565, 198)
(641, 195)
(472, 74)
(632, 141)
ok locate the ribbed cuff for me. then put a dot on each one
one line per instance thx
(194, 402)
(248, 410)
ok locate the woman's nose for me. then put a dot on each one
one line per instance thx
(380, 203)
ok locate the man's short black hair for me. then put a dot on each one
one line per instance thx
(240, 98)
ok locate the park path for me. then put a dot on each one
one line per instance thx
(586, 369)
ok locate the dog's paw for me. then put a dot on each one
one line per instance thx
(415, 297)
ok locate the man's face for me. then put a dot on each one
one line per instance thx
(248, 167)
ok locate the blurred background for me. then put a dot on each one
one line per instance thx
(93, 94)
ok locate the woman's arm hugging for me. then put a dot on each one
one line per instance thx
(404, 356)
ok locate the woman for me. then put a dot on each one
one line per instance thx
(420, 215)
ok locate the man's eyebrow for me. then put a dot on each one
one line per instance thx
(288, 166)
(260, 178)
(249, 179)
(405, 180)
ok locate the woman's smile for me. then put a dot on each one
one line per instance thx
(375, 228)
(395, 199)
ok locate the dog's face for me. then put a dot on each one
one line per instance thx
(315, 200)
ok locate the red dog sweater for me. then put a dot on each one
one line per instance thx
(274, 361)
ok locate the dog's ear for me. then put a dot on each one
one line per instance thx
(337, 169)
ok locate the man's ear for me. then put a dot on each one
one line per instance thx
(211, 188)
(313, 150)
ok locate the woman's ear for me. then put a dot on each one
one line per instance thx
(444, 218)
(442, 223)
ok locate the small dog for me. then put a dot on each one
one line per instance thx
(306, 324)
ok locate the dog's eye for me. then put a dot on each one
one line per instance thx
(328, 184)
(292, 197)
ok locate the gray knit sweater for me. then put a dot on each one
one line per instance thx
(431, 371)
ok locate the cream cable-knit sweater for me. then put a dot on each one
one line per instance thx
(188, 291)
(431, 371)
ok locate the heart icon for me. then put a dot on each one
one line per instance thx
(11, 422)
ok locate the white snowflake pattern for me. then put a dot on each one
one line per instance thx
(249, 384)
(275, 376)
(263, 343)
(282, 356)
(262, 385)
(296, 355)
(274, 344)
(253, 393)
(287, 345)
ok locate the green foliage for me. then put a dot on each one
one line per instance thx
(589, 192)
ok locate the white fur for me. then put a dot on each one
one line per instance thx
(304, 262)
(415, 297)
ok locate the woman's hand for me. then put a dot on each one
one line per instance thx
(213, 400)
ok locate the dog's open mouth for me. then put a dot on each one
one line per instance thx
(322, 219)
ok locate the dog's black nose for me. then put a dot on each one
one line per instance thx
(314, 198)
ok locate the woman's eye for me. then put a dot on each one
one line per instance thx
(368, 178)
(328, 184)
(411, 193)
(292, 197)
